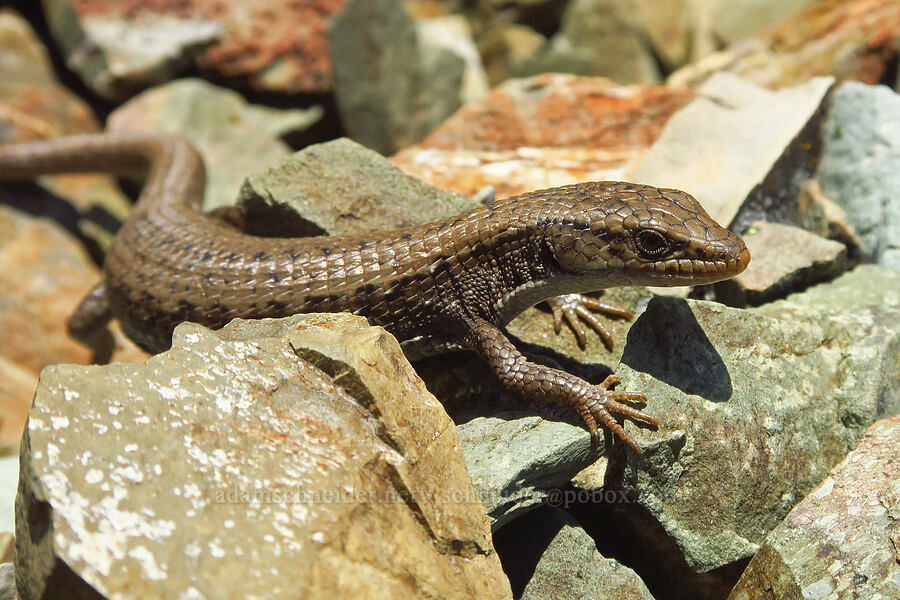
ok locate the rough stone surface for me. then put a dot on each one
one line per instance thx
(597, 37)
(118, 56)
(390, 90)
(7, 581)
(34, 106)
(842, 540)
(845, 39)
(44, 274)
(785, 259)
(741, 150)
(234, 137)
(544, 131)
(860, 168)
(341, 187)
(565, 561)
(277, 46)
(453, 33)
(229, 467)
(756, 406)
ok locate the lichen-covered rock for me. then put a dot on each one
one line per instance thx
(338, 188)
(756, 406)
(292, 458)
(843, 539)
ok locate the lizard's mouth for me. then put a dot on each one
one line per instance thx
(686, 271)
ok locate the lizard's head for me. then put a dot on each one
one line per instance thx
(639, 235)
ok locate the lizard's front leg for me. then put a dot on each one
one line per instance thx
(593, 402)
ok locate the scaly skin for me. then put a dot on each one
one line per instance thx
(443, 285)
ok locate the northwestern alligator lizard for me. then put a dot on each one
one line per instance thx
(439, 286)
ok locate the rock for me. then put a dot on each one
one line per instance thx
(299, 457)
(452, 33)
(733, 21)
(341, 187)
(841, 541)
(845, 39)
(821, 215)
(222, 39)
(33, 106)
(7, 581)
(9, 477)
(741, 150)
(860, 167)
(390, 90)
(504, 46)
(785, 259)
(234, 137)
(44, 274)
(565, 561)
(756, 408)
(117, 55)
(517, 461)
(544, 131)
(596, 37)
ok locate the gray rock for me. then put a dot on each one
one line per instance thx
(566, 562)
(785, 259)
(299, 457)
(842, 540)
(860, 168)
(453, 33)
(516, 461)
(742, 150)
(341, 187)
(596, 37)
(234, 137)
(7, 582)
(390, 91)
(756, 406)
(117, 56)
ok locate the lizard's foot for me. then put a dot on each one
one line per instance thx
(576, 309)
(604, 401)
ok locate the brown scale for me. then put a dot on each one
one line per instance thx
(452, 283)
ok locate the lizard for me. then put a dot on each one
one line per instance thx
(446, 285)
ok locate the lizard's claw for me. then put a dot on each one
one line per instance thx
(600, 405)
(576, 308)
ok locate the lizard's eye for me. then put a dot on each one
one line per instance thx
(651, 243)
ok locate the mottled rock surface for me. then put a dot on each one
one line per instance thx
(35, 106)
(234, 137)
(843, 539)
(600, 38)
(741, 150)
(757, 406)
(341, 187)
(390, 90)
(845, 39)
(548, 555)
(44, 274)
(860, 168)
(292, 458)
(277, 46)
(785, 259)
(544, 131)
